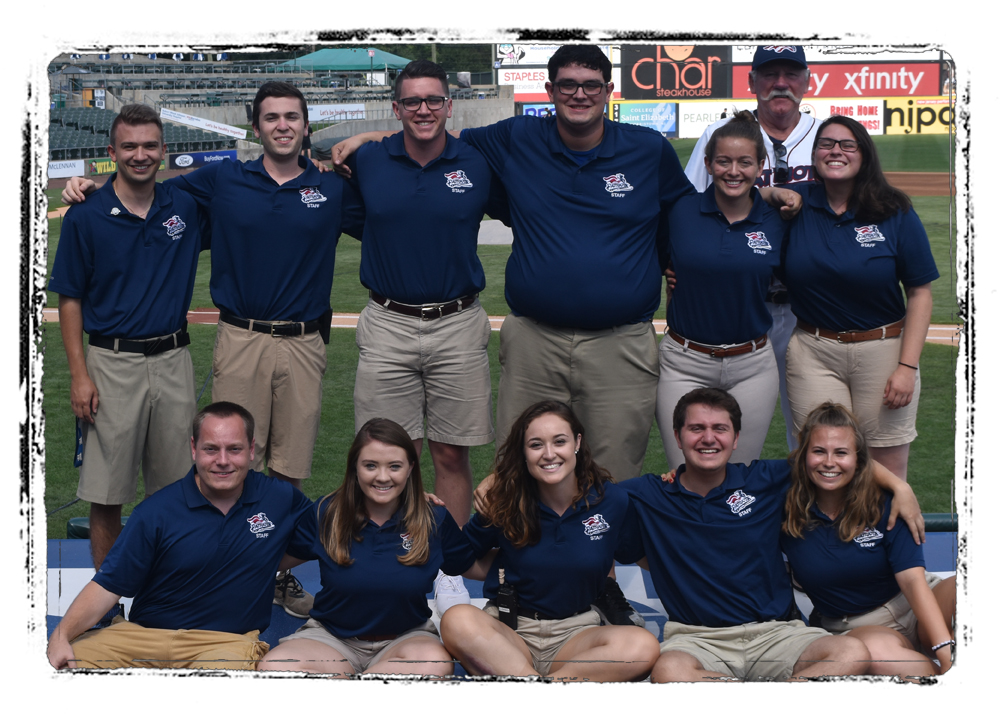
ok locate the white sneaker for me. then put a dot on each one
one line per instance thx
(449, 591)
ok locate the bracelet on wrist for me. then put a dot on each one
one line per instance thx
(908, 366)
(936, 647)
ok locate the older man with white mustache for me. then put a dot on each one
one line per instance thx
(779, 77)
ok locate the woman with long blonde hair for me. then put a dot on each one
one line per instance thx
(863, 579)
(380, 544)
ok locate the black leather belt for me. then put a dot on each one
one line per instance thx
(425, 313)
(533, 614)
(272, 329)
(147, 347)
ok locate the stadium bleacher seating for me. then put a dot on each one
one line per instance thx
(85, 133)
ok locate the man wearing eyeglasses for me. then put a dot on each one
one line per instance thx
(779, 77)
(422, 338)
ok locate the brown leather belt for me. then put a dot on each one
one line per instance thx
(719, 351)
(890, 331)
(425, 313)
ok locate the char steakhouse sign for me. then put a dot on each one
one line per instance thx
(676, 71)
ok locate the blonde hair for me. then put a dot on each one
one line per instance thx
(864, 501)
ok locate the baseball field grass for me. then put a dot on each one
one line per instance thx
(932, 457)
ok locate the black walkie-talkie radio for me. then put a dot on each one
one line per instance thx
(507, 603)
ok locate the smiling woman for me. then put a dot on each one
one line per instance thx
(723, 245)
(548, 535)
(858, 342)
(380, 546)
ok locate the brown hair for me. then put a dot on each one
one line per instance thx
(277, 89)
(742, 125)
(864, 501)
(136, 114)
(222, 410)
(872, 198)
(512, 502)
(345, 514)
(712, 398)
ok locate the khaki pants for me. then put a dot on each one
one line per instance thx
(125, 644)
(607, 376)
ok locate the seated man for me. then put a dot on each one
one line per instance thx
(199, 558)
(711, 544)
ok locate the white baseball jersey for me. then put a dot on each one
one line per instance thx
(799, 157)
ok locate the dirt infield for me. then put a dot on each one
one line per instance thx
(923, 184)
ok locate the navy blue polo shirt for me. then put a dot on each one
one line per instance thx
(377, 594)
(188, 566)
(585, 236)
(715, 560)
(273, 246)
(420, 239)
(848, 578)
(564, 572)
(843, 274)
(723, 269)
(134, 276)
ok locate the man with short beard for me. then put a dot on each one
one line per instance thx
(779, 77)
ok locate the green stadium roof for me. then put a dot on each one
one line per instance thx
(355, 59)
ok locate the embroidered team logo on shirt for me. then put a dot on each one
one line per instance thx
(758, 242)
(616, 185)
(595, 526)
(739, 502)
(457, 180)
(407, 542)
(868, 537)
(174, 225)
(867, 235)
(259, 523)
(311, 197)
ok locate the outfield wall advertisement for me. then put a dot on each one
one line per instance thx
(65, 168)
(338, 111)
(197, 160)
(529, 83)
(106, 166)
(918, 116)
(847, 80)
(868, 112)
(660, 116)
(651, 72)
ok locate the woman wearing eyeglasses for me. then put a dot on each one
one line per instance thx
(724, 245)
(858, 340)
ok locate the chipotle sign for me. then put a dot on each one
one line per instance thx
(675, 71)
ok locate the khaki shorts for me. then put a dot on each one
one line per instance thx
(279, 380)
(409, 370)
(853, 374)
(144, 413)
(545, 637)
(360, 653)
(752, 652)
(894, 614)
(125, 644)
(608, 377)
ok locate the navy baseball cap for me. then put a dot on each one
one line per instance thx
(791, 53)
